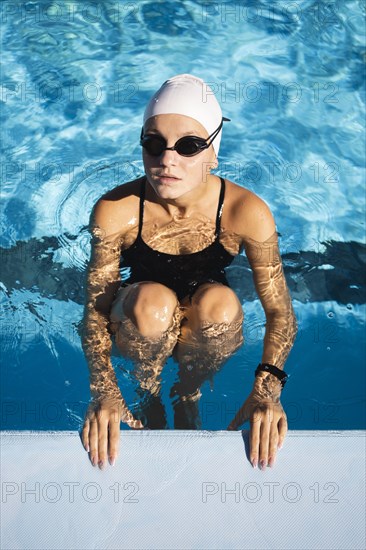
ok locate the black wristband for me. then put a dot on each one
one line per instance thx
(278, 373)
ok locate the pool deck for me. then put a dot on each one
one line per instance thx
(183, 490)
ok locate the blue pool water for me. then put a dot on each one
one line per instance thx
(291, 77)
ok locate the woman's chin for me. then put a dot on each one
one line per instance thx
(168, 190)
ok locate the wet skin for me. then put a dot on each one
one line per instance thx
(192, 192)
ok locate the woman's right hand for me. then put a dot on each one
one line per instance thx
(101, 431)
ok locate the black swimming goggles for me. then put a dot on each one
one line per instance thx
(187, 146)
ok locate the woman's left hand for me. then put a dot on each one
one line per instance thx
(268, 428)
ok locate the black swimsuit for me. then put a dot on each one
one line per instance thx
(183, 273)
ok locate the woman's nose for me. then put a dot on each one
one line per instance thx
(168, 158)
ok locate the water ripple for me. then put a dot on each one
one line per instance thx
(76, 77)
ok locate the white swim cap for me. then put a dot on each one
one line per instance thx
(188, 95)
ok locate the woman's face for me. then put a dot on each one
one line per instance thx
(188, 173)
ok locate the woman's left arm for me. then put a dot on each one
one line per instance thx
(268, 422)
(271, 286)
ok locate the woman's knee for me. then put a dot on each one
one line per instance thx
(151, 307)
(216, 303)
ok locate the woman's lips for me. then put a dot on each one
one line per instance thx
(167, 179)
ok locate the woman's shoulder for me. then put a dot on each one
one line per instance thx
(125, 190)
(240, 194)
(247, 213)
(118, 208)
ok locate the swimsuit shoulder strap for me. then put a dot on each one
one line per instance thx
(142, 202)
(220, 208)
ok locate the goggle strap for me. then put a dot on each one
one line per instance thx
(213, 135)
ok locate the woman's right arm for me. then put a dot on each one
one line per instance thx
(101, 429)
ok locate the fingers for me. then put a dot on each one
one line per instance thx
(240, 417)
(272, 444)
(93, 440)
(128, 418)
(114, 435)
(101, 431)
(282, 430)
(95, 434)
(103, 422)
(254, 439)
(264, 441)
(106, 439)
(233, 425)
(267, 431)
(85, 435)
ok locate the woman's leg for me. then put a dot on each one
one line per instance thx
(210, 333)
(145, 318)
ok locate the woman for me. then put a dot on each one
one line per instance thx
(177, 228)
